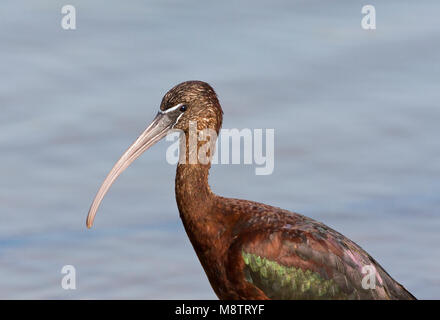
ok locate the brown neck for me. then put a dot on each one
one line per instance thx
(196, 202)
(197, 206)
(193, 193)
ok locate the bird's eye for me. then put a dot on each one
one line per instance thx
(183, 107)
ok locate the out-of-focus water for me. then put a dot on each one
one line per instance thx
(355, 112)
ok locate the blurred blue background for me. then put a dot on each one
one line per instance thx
(355, 112)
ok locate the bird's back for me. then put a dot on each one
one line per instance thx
(278, 254)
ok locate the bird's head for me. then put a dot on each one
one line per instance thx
(192, 101)
(188, 102)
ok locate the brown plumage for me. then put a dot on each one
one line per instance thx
(251, 250)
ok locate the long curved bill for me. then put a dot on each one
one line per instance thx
(161, 124)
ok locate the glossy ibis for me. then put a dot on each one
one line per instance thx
(251, 250)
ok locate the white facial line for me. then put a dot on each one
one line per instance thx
(171, 109)
(177, 120)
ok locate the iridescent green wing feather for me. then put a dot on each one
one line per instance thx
(314, 262)
(279, 254)
(283, 282)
